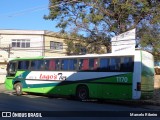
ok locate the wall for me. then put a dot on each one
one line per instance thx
(36, 45)
(157, 82)
(2, 73)
(51, 52)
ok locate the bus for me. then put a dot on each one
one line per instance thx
(127, 76)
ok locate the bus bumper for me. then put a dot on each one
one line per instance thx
(8, 84)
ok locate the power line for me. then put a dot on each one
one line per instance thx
(35, 9)
(23, 11)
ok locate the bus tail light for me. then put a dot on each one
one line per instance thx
(138, 86)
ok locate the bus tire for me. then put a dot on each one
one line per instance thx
(82, 92)
(18, 88)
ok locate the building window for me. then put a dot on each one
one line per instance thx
(21, 43)
(56, 45)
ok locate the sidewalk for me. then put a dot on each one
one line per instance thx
(156, 97)
(2, 76)
(2, 87)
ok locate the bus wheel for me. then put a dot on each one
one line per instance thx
(82, 92)
(18, 89)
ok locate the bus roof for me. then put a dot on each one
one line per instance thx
(79, 56)
(91, 55)
(26, 58)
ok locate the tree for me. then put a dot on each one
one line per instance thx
(150, 39)
(99, 20)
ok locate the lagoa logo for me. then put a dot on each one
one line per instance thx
(48, 77)
(59, 76)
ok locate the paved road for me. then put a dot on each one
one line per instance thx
(11, 102)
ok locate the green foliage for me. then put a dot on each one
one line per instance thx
(150, 38)
(99, 20)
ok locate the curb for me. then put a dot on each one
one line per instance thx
(134, 102)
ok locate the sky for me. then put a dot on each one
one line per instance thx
(25, 15)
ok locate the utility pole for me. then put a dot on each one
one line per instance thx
(9, 49)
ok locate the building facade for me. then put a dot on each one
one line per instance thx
(34, 43)
(28, 43)
(54, 44)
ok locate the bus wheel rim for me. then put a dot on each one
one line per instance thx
(82, 93)
(18, 89)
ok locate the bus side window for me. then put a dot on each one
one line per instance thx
(72, 64)
(57, 63)
(37, 65)
(52, 65)
(127, 65)
(23, 65)
(93, 63)
(83, 64)
(115, 64)
(104, 64)
(46, 64)
(64, 64)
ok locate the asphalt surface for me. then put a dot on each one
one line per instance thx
(155, 101)
(11, 102)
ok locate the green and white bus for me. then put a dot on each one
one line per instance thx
(101, 76)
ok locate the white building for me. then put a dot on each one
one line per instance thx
(27, 43)
(21, 43)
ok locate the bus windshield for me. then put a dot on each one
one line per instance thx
(11, 69)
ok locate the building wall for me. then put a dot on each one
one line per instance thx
(40, 45)
(36, 45)
(3, 66)
(54, 52)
